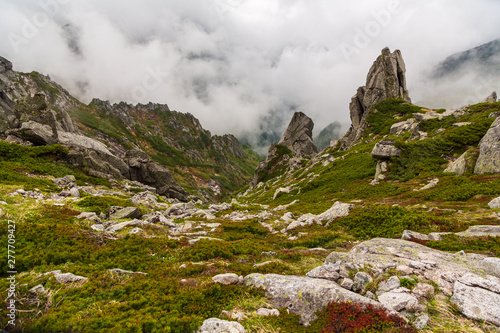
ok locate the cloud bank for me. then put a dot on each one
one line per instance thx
(233, 62)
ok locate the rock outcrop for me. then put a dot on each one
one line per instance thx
(383, 151)
(298, 136)
(296, 144)
(491, 98)
(386, 79)
(489, 154)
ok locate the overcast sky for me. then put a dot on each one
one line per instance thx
(229, 62)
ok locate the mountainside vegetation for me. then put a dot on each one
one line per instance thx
(346, 240)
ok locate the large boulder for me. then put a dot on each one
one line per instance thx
(143, 169)
(478, 298)
(214, 325)
(385, 149)
(298, 136)
(303, 296)
(489, 154)
(386, 79)
(491, 98)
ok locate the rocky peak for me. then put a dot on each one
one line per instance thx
(298, 136)
(491, 98)
(5, 65)
(386, 79)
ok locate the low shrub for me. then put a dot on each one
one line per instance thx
(102, 204)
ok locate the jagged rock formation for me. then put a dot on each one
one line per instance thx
(491, 98)
(298, 136)
(296, 144)
(386, 79)
(489, 155)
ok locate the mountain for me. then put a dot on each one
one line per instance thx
(100, 136)
(396, 227)
(327, 134)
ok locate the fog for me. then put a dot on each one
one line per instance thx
(235, 63)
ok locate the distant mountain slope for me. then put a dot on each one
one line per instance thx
(484, 58)
(37, 110)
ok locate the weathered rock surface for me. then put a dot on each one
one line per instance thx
(459, 166)
(386, 79)
(303, 295)
(495, 203)
(398, 301)
(491, 98)
(478, 298)
(214, 325)
(118, 213)
(120, 271)
(489, 153)
(121, 226)
(226, 279)
(385, 149)
(298, 136)
(481, 231)
(403, 126)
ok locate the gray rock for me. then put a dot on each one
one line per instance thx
(118, 213)
(97, 227)
(135, 231)
(489, 151)
(303, 296)
(282, 190)
(459, 166)
(121, 226)
(226, 279)
(361, 279)
(214, 325)
(423, 291)
(267, 312)
(421, 322)
(407, 125)
(478, 298)
(39, 289)
(234, 315)
(347, 284)
(74, 192)
(381, 170)
(386, 79)
(328, 272)
(337, 210)
(495, 203)
(398, 301)
(119, 271)
(68, 278)
(89, 216)
(298, 136)
(491, 98)
(385, 149)
(38, 134)
(481, 231)
(391, 284)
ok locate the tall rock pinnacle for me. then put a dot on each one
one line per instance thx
(386, 79)
(298, 136)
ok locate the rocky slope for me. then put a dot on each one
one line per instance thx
(398, 232)
(108, 139)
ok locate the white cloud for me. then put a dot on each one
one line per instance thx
(229, 62)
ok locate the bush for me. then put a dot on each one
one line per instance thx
(383, 221)
(347, 317)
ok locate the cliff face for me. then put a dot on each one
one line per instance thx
(173, 147)
(386, 79)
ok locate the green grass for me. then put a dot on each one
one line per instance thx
(381, 120)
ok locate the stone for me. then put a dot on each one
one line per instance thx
(298, 136)
(381, 170)
(459, 166)
(491, 98)
(215, 325)
(89, 216)
(386, 79)
(39, 289)
(303, 296)
(481, 231)
(347, 283)
(121, 226)
(97, 227)
(361, 279)
(431, 184)
(478, 298)
(407, 125)
(495, 203)
(328, 272)
(398, 301)
(421, 322)
(226, 279)
(135, 231)
(119, 271)
(391, 284)
(234, 315)
(267, 312)
(489, 151)
(385, 149)
(423, 291)
(68, 278)
(337, 210)
(282, 190)
(371, 295)
(119, 213)
(38, 134)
